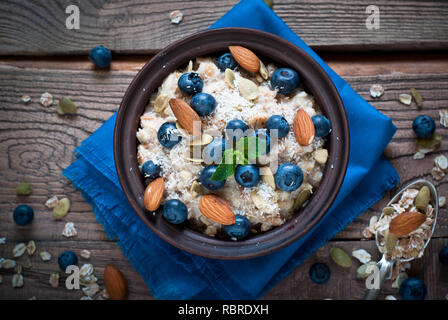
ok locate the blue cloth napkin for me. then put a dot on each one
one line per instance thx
(174, 274)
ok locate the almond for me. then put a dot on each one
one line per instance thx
(303, 128)
(154, 194)
(246, 58)
(216, 209)
(115, 282)
(406, 222)
(186, 116)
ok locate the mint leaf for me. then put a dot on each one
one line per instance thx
(226, 168)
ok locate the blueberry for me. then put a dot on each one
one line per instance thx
(190, 83)
(203, 103)
(213, 151)
(265, 138)
(150, 170)
(100, 56)
(23, 215)
(424, 126)
(240, 229)
(67, 258)
(206, 173)
(175, 211)
(443, 256)
(247, 175)
(278, 123)
(288, 177)
(168, 135)
(235, 129)
(322, 126)
(319, 273)
(226, 61)
(285, 80)
(413, 289)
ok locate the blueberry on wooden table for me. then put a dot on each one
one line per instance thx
(100, 56)
(319, 273)
(168, 135)
(322, 126)
(205, 176)
(247, 175)
(285, 80)
(226, 61)
(67, 258)
(413, 289)
(23, 215)
(424, 126)
(213, 151)
(174, 211)
(203, 103)
(240, 229)
(150, 170)
(235, 129)
(288, 177)
(279, 123)
(190, 83)
(443, 256)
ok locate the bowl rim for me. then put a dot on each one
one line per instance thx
(208, 245)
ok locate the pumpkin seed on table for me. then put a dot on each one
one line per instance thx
(433, 141)
(341, 257)
(61, 209)
(24, 189)
(248, 89)
(66, 106)
(417, 97)
(390, 241)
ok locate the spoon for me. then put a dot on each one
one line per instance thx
(385, 265)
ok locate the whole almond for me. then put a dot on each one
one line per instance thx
(406, 222)
(186, 116)
(154, 194)
(303, 128)
(246, 58)
(115, 282)
(216, 209)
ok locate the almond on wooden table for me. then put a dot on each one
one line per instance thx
(154, 194)
(246, 58)
(115, 282)
(185, 115)
(303, 128)
(406, 222)
(216, 209)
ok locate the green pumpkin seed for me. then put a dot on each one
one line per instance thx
(433, 141)
(422, 199)
(268, 177)
(390, 241)
(302, 197)
(66, 106)
(61, 209)
(248, 89)
(229, 77)
(361, 272)
(196, 189)
(24, 189)
(263, 71)
(341, 257)
(161, 103)
(388, 211)
(417, 97)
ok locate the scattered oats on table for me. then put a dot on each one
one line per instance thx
(3, 240)
(25, 99)
(176, 16)
(390, 298)
(362, 255)
(443, 118)
(46, 99)
(17, 281)
(19, 250)
(54, 280)
(9, 264)
(376, 90)
(69, 230)
(52, 202)
(442, 201)
(91, 289)
(405, 99)
(45, 256)
(85, 254)
(31, 248)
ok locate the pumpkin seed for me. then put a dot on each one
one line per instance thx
(182, 130)
(196, 189)
(24, 189)
(229, 77)
(405, 98)
(399, 280)
(388, 211)
(66, 106)
(61, 208)
(417, 97)
(267, 176)
(161, 102)
(201, 140)
(302, 197)
(422, 199)
(361, 272)
(390, 241)
(19, 250)
(433, 141)
(415, 253)
(248, 89)
(341, 257)
(263, 71)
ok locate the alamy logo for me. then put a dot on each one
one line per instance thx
(373, 280)
(72, 281)
(373, 20)
(72, 21)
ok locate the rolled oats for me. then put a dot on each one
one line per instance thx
(3, 240)
(17, 281)
(443, 118)
(54, 280)
(405, 98)
(25, 99)
(362, 255)
(376, 90)
(45, 256)
(19, 250)
(437, 174)
(51, 203)
(8, 264)
(31, 248)
(441, 162)
(442, 201)
(69, 230)
(46, 99)
(176, 16)
(85, 254)
(91, 289)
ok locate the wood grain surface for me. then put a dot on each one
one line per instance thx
(143, 26)
(36, 144)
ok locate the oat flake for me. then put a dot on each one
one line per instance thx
(376, 91)
(19, 250)
(45, 256)
(52, 202)
(8, 264)
(176, 16)
(442, 201)
(17, 281)
(85, 254)
(54, 280)
(362, 255)
(46, 99)
(3, 240)
(443, 118)
(69, 230)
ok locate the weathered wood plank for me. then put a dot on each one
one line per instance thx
(143, 26)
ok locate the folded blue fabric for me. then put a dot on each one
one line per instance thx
(174, 274)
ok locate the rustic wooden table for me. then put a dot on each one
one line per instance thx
(38, 54)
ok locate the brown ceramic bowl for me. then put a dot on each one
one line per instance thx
(214, 42)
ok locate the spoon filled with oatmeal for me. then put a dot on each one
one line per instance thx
(404, 229)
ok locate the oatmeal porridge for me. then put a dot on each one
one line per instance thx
(229, 100)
